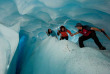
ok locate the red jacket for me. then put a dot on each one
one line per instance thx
(64, 34)
(85, 32)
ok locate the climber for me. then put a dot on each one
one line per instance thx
(88, 32)
(63, 31)
(51, 33)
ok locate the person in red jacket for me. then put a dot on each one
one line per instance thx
(87, 33)
(63, 31)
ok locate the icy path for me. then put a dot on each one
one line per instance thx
(64, 57)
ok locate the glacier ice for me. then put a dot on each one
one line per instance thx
(8, 43)
(4, 55)
(65, 57)
(26, 21)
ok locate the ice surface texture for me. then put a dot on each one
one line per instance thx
(32, 18)
(65, 57)
(8, 43)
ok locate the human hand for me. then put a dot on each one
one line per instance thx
(72, 34)
(101, 30)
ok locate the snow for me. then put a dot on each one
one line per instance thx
(65, 57)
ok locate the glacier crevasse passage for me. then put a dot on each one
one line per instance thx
(26, 49)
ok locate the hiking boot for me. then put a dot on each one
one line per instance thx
(102, 48)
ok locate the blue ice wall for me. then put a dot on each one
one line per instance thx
(32, 18)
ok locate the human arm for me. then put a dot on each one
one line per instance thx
(47, 33)
(75, 33)
(69, 32)
(96, 29)
(101, 30)
(58, 33)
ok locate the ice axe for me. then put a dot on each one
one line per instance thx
(106, 34)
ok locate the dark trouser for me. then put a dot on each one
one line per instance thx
(93, 36)
(62, 38)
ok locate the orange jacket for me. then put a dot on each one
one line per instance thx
(64, 34)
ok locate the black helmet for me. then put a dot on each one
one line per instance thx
(78, 25)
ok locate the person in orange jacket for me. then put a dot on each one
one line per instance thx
(63, 31)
